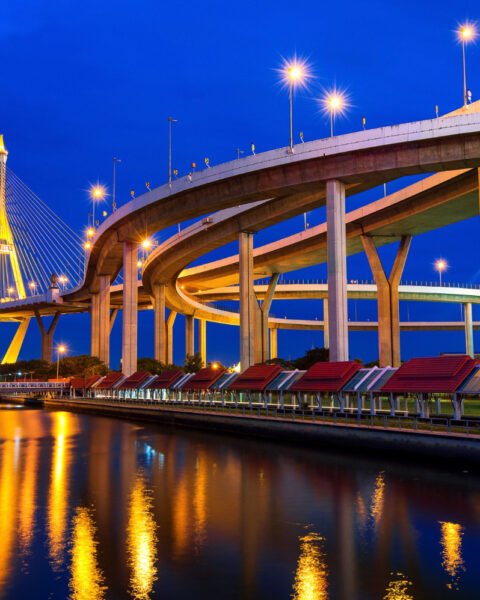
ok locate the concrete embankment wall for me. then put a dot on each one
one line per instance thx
(400, 444)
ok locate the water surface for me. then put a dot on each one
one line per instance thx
(94, 508)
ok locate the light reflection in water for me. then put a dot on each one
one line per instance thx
(398, 589)
(199, 501)
(378, 498)
(28, 496)
(311, 581)
(58, 494)
(451, 542)
(141, 540)
(86, 582)
(8, 498)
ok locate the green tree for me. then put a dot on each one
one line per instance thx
(154, 366)
(83, 365)
(310, 358)
(193, 363)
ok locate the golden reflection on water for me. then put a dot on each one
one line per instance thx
(378, 498)
(200, 501)
(8, 500)
(58, 493)
(86, 582)
(141, 540)
(451, 542)
(398, 589)
(28, 496)
(311, 581)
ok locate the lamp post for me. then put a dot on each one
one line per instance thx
(440, 265)
(114, 183)
(170, 121)
(466, 33)
(60, 350)
(97, 194)
(294, 73)
(334, 103)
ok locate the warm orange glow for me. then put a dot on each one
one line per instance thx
(295, 72)
(87, 245)
(141, 541)
(311, 575)
(335, 102)
(90, 232)
(87, 579)
(441, 265)
(63, 279)
(27, 498)
(215, 365)
(11, 290)
(378, 498)
(98, 192)
(32, 285)
(467, 32)
(139, 264)
(398, 589)
(146, 244)
(200, 501)
(451, 542)
(8, 499)
(62, 349)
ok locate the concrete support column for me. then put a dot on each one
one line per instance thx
(159, 325)
(326, 337)
(95, 325)
(189, 335)
(130, 308)
(388, 299)
(203, 340)
(104, 320)
(247, 300)
(273, 342)
(337, 271)
(170, 321)
(470, 350)
(265, 311)
(47, 335)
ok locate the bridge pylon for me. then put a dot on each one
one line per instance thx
(11, 281)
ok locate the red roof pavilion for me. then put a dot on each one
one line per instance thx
(165, 379)
(135, 380)
(204, 379)
(326, 377)
(256, 378)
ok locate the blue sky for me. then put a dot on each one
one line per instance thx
(84, 82)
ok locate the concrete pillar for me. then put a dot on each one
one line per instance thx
(170, 321)
(273, 342)
(130, 308)
(337, 271)
(469, 330)
(189, 335)
(262, 340)
(104, 319)
(326, 337)
(47, 335)
(387, 299)
(203, 340)
(247, 299)
(94, 325)
(159, 326)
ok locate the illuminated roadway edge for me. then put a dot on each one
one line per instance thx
(283, 185)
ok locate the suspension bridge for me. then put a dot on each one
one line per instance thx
(41, 279)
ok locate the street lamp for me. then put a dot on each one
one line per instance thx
(334, 103)
(170, 121)
(114, 183)
(61, 349)
(466, 33)
(294, 73)
(440, 265)
(97, 194)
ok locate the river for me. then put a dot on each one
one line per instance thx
(93, 508)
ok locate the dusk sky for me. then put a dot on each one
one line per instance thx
(82, 82)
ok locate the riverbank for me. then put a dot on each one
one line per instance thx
(404, 443)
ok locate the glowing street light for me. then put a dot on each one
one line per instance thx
(294, 73)
(90, 232)
(335, 104)
(466, 33)
(87, 246)
(63, 280)
(33, 286)
(98, 193)
(146, 244)
(61, 349)
(440, 265)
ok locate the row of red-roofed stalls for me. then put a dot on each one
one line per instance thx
(433, 381)
(343, 386)
(81, 386)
